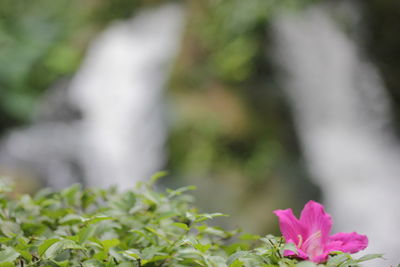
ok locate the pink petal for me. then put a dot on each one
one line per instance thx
(347, 242)
(290, 226)
(314, 218)
(321, 258)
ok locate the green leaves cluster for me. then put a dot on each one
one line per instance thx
(142, 227)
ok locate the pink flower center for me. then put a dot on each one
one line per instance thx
(312, 246)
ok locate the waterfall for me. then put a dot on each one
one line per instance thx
(342, 117)
(118, 90)
(45, 152)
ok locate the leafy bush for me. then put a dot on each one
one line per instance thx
(95, 227)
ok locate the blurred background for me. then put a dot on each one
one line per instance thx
(261, 104)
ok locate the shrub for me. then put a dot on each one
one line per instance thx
(141, 227)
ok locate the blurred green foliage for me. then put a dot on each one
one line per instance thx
(42, 41)
(230, 118)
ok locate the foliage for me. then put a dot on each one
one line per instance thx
(142, 227)
(42, 41)
(230, 120)
(225, 101)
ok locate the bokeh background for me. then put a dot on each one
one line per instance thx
(262, 104)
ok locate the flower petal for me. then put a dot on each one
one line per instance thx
(290, 226)
(321, 258)
(314, 219)
(347, 242)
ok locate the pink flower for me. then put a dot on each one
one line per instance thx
(311, 236)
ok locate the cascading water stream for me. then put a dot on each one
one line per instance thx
(342, 117)
(118, 91)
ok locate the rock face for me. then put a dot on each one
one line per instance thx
(342, 116)
(115, 135)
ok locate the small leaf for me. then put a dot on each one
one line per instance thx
(339, 259)
(126, 264)
(85, 233)
(179, 191)
(46, 244)
(132, 253)
(107, 244)
(92, 263)
(156, 177)
(182, 226)
(71, 219)
(290, 247)
(65, 263)
(208, 216)
(249, 237)
(59, 246)
(8, 255)
(236, 263)
(306, 264)
(25, 254)
(370, 257)
(203, 248)
(9, 229)
(97, 219)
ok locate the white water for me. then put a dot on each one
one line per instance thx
(119, 92)
(119, 89)
(342, 116)
(46, 150)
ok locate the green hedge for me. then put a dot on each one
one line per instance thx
(141, 227)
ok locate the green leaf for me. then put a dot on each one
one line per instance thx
(9, 229)
(249, 237)
(92, 263)
(132, 253)
(8, 255)
(126, 264)
(46, 244)
(156, 177)
(290, 247)
(370, 257)
(306, 264)
(7, 264)
(72, 194)
(180, 191)
(208, 216)
(236, 263)
(101, 255)
(6, 185)
(71, 219)
(85, 233)
(107, 244)
(182, 226)
(203, 248)
(339, 259)
(65, 263)
(212, 231)
(156, 258)
(97, 219)
(25, 254)
(59, 246)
